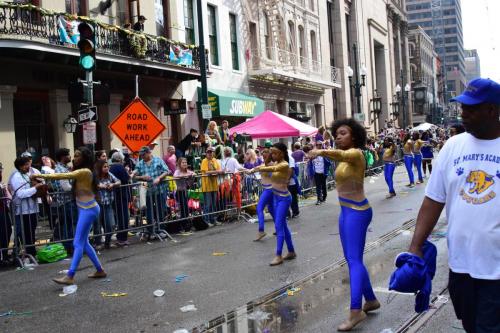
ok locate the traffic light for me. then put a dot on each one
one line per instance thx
(87, 46)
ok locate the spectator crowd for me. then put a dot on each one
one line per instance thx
(193, 184)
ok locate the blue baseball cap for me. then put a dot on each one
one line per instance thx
(479, 91)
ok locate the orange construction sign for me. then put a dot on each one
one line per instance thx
(137, 125)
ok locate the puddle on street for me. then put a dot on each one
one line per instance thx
(292, 307)
(282, 310)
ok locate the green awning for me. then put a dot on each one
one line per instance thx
(233, 104)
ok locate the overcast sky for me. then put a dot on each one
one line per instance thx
(482, 32)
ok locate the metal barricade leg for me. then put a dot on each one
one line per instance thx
(5, 233)
(161, 211)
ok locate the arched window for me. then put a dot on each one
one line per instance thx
(291, 37)
(411, 49)
(267, 36)
(292, 43)
(314, 50)
(302, 45)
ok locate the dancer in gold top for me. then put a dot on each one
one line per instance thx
(417, 155)
(389, 165)
(282, 199)
(88, 212)
(355, 215)
(408, 158)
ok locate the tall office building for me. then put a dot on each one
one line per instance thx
(472, 64)
(442, 21)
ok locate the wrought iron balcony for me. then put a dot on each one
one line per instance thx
(288, 66)
(55, 31)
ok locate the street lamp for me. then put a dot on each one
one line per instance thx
(402, 96)
(357, 84)
(376, 108)
(70, 124)
(395, 105)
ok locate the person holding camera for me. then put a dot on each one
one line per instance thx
(24, 196)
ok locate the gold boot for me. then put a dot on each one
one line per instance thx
(290, 256)
(278, 260)
(66, 280)
(371, 306)
(260, 235)
(97, 275)
(354, 319)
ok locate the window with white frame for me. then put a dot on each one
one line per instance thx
(234, 41)
(314, 50)
(189, 22)
(212, 35)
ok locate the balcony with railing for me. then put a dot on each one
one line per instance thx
(28, 27)
(286, 66)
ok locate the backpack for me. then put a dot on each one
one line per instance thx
(51, 253)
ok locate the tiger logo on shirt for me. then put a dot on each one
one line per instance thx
(479, 181)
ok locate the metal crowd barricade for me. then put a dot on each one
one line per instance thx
(5, 228)
(143, 209)
(140, 209)
(307, 181)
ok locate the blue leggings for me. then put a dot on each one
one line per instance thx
(417, 160)
(389, 168)
(409, 168)
(283, 234)
(86, 217)
(266, 199)
(353, 224)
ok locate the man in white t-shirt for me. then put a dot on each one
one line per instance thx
(466, 179)
(229, 164)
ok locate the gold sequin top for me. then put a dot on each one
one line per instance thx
(408, 147)
(351, 167)
(418, 144)
(389, 153)
(266, 178)
(83, 179)
(280, 172)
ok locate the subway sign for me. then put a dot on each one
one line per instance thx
(235, 104)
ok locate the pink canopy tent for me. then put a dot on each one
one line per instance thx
(270, 124)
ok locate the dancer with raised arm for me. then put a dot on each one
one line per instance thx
(282, 199)
(88, 211)
(355, 214)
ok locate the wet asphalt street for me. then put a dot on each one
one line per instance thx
(239, 289)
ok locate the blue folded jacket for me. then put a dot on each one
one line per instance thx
(414, 275)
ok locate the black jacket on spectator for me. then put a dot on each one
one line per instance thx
(138, 26)
(186, 142)
(119, 171)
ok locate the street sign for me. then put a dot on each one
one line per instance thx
(137, 125)
(87, 114)
(89, 133)
(206, 111)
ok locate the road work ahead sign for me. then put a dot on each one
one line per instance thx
(136, 125)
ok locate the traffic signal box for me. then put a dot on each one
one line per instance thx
(87, 46)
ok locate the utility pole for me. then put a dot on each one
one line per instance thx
(403, 100)
(203, 64)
